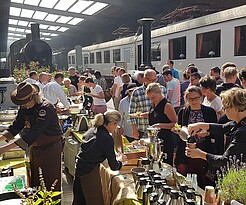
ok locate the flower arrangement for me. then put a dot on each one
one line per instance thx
(21, 73)
(40, 195)
(232, 180)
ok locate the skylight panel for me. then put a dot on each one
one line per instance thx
(13, 21)
(48, 3)
(17, 1)
(45, 34)
(94, 8)
(26, 13)
(53, 28)
(53, 34)
(64, 4)
(17, 34)
(75, 21)
(80, 6)
(43, 26)
(11, 34)
(63, 29)
(13, 11)
(64, 19)
(28, 31)
(39, 15)
(32, 2)
(23, 23)
(51, 17)
(20, 30)
(12, 29)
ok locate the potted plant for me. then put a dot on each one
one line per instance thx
(232, 180)
(39, 195)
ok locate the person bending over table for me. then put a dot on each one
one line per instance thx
(38, 125)
(234, 102)
(97, 145)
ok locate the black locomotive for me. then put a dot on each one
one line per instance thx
(30, 49)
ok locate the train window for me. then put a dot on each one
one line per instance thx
(92, 58)
(99, 57)
(177, 48)
(208, 44)
(240, 41)
(86, 60)
(106, 56)
(155, 51)
(116, 55)
(73, 59)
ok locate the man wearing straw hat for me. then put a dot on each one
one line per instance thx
(39, 128)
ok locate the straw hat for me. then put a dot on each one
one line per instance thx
(24, 93)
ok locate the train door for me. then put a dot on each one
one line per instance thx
(127, 58)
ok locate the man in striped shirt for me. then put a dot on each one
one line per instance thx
(141, 103)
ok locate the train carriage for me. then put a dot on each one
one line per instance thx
(205, 41)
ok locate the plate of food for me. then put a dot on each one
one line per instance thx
(137, 114)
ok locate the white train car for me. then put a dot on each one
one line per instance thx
(205, 41)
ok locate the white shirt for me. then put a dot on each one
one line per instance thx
(174, 85)
(118, 82)
(95, 91)
(216, 104)
(54, 92)
(124, 111)
(31, 81)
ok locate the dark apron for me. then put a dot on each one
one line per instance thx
(46, 153)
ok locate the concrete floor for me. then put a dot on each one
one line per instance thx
(67, 187)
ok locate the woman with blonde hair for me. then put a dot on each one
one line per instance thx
(97, 146)
(234, 102)
(163, 116)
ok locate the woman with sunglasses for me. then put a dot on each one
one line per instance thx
(97, 145)
(234, 102)
(195, 112)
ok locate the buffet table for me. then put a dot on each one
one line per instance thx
(118, 186)
(21, 177)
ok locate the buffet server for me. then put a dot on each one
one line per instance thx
(38, 125)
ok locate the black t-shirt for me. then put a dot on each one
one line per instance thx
(97, 146)
(74, 80)
(225, 86)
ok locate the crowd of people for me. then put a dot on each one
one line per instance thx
(212, 106)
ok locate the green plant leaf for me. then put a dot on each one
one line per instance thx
(56, 193)
(42, 194)
(39, 201)
(57, 201)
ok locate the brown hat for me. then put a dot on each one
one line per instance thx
(24, 93)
